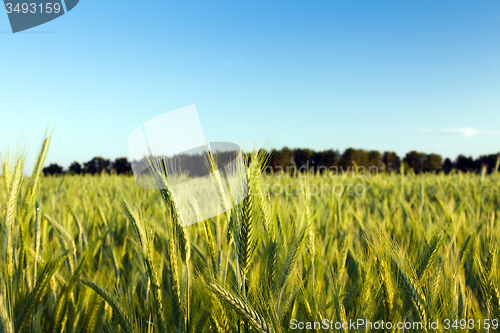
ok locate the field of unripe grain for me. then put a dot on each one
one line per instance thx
(100, 254)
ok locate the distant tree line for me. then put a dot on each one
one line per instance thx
(97, 165)
(383, 162)
(312, 161)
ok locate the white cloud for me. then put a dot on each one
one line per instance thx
(466, 131)
(462, 131)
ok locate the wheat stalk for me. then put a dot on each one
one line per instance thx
(243, 308)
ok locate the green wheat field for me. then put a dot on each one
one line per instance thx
(100, 254)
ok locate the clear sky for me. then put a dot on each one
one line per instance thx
(386, 75)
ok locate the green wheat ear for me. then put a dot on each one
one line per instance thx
(12, 196)
(429, 256)
(7, 177)
(38, 293)
(243, 308)
(245, 236)
(35, 177)
(149, 256)
(123, 318)
(386, 289)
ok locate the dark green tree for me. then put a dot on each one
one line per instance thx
(467, 164)
(415, 160)
(97, 165)
(75, 168)
(281, 158)
(323, 160)
(52, 170)
(447, 166)
(303, 159)
(490, 161)
(122, 166)
(358, 156)
(432, 163)
(374, 159)
(391, 161)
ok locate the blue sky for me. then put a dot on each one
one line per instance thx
(385, 75)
